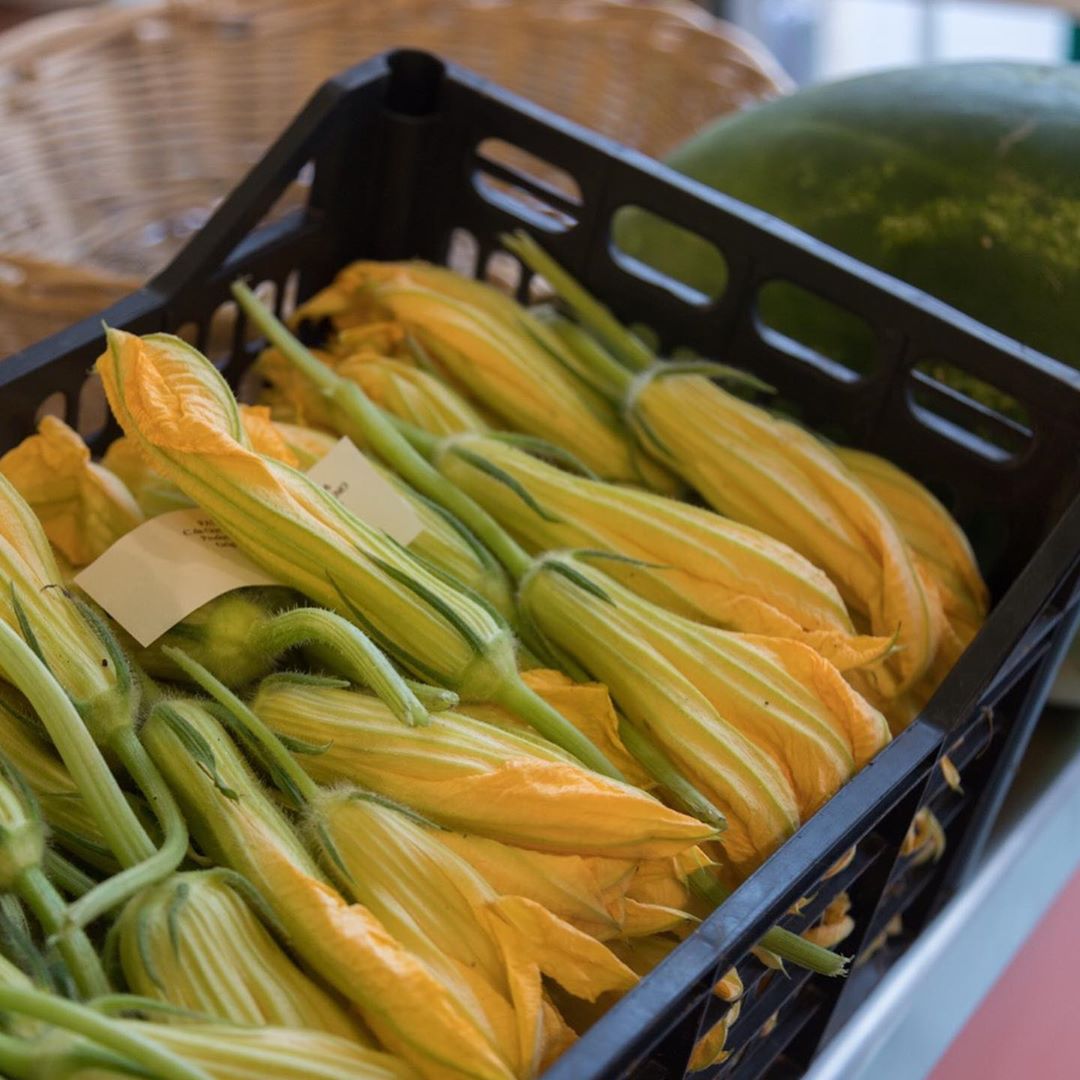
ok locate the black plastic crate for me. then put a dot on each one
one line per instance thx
(398, 157)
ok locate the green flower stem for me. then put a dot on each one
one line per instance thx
(363, 661)
(422, 441)
(358, 414)
(299, 785)
(664, 771)
(155, 1060)
(163, 861)
(18, 1059)
(589, 360)
(788, 946)
(50, 909)
(123, 833)
(65, 875)
(627, 347)
(514, 695)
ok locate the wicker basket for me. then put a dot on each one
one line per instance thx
(122, 126)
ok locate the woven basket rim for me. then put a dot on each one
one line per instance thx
(644, 72)
(80, 29)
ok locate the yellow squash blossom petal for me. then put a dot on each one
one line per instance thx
(588, 706)
(83, 507)
(447, 915)
(612, 641)
(928, 528)
(775, 476)
(474, 777)
(264, 435)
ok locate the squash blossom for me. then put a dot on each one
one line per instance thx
(496, 353)
(684, 558)
(765, 472)
(943, 558)
(82, 507)
(199, 941)
(780, 694)
(175, 403)
(218, 634)
(236, 823)
(775, 476)
(490, 949)
(764, 727)
(472, 776)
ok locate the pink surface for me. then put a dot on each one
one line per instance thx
(1027, 1026)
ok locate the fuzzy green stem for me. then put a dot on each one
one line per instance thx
(514, 695)
(105, 800)
(356, 414)
(664, 771)
(65, 875)
(163, 861)
(51, 911)
(81, 1020)
(300, 785)
(19, 1059)
(627, 347)
(363, 661)
(788, 946)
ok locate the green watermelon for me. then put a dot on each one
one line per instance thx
(962, 179)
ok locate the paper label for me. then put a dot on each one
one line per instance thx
(161, 572)
(361, 488)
